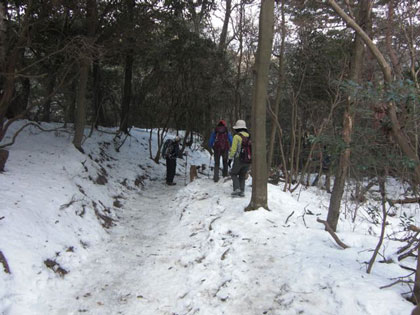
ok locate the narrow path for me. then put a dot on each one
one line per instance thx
(132, 273)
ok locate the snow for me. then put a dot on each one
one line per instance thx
(136, 246)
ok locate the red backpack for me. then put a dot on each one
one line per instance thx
(221, 143)
(245, 155)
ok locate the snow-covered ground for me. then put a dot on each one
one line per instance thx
(100, 233)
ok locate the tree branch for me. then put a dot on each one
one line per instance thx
(334, 236)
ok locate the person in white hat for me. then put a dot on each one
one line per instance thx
(240, 163)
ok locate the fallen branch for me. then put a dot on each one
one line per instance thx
(26, 125)
(4, 262)
(404, 201)
(396, 282)
(290, 215)
(334, 236)
(414, 228)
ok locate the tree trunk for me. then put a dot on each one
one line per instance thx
(97, 96)
(388, 40)
(126, 100)
(80, 116)
(223, 35)
(397, 133)
(344, 162)
(50, 90)
(279, 88)
(80, 112)
(259, 151)
(3, 37)
(128, 69)
(237, 102)
(416, 290)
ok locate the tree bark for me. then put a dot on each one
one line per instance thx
(344, 162)
(388, 40)
(223, 35)
(383, 226)
(128, 70)
(126, 100)
(259, 150)
(3, 36)
(50, 90)
(97, 96)
(279, 88)
(80, 116)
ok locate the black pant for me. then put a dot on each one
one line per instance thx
(217, 156)
(170, 169)
(238, 172)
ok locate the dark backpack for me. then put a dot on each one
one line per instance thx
(167, 148)
(221, 143)
(245, 155)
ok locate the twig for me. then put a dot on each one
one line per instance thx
(289, 217)
(4, 262)
(212, 221)
(404, 201)
(394, 283)
(334, 236)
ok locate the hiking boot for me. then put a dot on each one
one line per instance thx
(236, 192)
(241, 194)
(170, 184)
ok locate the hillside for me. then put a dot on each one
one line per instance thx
(100, 233)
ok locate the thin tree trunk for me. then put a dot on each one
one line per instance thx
(126, 100)
(279, 88)
(259, 151)
(3, 36)
(416, 290)
(80, 112)
(80, 116)
(344, 162)
(239, 65)
(388, 40)
(128, 69)
(383, 226)
(97, 96)
(223, 35)
(47, 107)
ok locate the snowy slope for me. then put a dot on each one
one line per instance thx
(132, 245)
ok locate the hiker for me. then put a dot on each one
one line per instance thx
(220, 142)
(240, 153)
(171, 152)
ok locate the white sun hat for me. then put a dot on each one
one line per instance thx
(240, 124)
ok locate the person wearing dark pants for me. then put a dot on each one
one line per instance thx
(220, 142)
(238, 172)
(171, 156)
(239, 168)
(170, 171)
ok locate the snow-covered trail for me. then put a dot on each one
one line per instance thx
(189, 251)
(131, 272)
